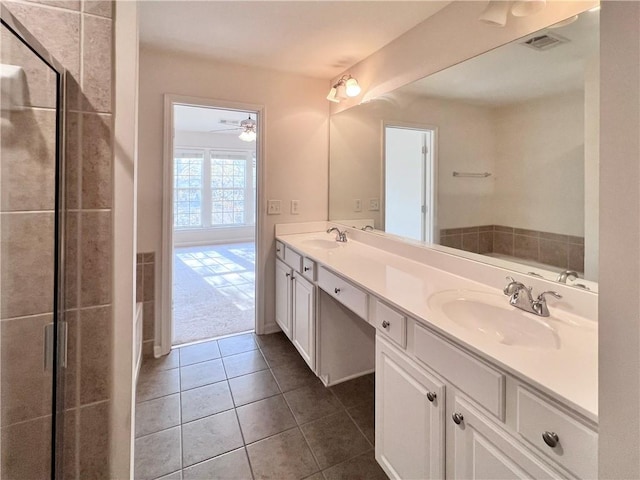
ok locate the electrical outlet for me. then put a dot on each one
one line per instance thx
(357, 205)
(374, 204)
(273, 207)
(295, 207)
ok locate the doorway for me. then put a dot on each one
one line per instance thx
(409, 185)
(214, 162)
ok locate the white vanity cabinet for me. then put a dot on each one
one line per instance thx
(304, 319)
(296, 306)
(283, 297)
(410, 417)
(433, 393)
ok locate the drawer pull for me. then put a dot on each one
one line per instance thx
(550, 438)
(432, 397)
(457, 418)
(385, 324)
(337, 291)
(306, 269)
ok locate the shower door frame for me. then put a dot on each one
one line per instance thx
(57, 348)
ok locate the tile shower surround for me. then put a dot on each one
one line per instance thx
(562, 251)
(145, 292)
(246, 407)
(79, 35)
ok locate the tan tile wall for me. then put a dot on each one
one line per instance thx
(562, 251)
(145, 292)
(78, 33)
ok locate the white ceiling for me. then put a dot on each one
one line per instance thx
(515, 73)
(202, 119)
(314, 38)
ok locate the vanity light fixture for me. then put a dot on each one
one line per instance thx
(346, 87)
(248, 130)
(496, 12)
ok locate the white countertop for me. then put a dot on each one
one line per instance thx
(569, 372)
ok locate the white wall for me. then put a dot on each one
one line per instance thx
(591, 167)
(539, 168)
(296, 142)
(619, 299)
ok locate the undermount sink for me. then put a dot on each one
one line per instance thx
(320, 243)
(491, 316)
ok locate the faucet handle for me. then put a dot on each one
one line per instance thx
(549, 292)
(512, 286)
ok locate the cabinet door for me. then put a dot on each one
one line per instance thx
(410, 408)
(304, 319)
(483, 451)
(283, 297)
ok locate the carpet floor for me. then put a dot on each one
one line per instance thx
(213, 291)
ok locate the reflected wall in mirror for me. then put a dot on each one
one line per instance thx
(509, 173)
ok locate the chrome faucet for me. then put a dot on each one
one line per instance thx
(367, 227)
(340, 236)
(565, 274)
(520, 296)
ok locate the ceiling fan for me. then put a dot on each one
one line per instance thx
(248, 127)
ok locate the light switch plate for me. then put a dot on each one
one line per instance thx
(374, 204)
(295, 207)
(274, 207)
(357, 205)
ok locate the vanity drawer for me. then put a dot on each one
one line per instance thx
(577, 445)
(392, 324)
(309, 269)
(349, 295)
(483, 384)
(279, 250)
(293, 259)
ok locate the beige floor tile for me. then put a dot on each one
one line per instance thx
(312, 402)
(283, 456)
(356, 391)
(264, 418)
(200, 352)
(244, 363)
(158, 384)
(199, 374)
(362, 467)
(157, 454)
(157, 414)
(204, 401)
(230, 466)
(252, 387)
(209, 437)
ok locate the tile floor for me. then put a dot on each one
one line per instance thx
(248, 407)
(213, 291)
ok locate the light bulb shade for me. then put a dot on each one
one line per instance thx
(248, 136)
(564, 23)
(524, 8)
(341, 90)
(332, 95)
(496, 13)
(352, 88)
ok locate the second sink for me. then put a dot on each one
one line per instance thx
(492, 317)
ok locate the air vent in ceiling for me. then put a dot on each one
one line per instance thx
(545, 42)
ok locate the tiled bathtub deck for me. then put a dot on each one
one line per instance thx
(247, 407)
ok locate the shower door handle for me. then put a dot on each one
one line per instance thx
(49, 350)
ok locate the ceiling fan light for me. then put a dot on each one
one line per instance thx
(352, 88)
(247, 136)
(332, 95)
(524, 8)
(495, 14)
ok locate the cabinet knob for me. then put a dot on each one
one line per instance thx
(385, 324)
(306, 269)
(288, 274)
(431, 396)
(457, 418)
(278, 250)
(337, 291)
(550, 438)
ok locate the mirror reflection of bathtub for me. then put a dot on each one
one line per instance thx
(510, 170)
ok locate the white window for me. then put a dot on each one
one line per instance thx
(214, 188)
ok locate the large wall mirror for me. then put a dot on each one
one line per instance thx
(495, 158)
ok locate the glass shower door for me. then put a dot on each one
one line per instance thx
(30, 192)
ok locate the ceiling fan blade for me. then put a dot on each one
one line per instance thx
(225, 129)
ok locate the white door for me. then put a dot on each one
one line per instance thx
(408, 182)
(410, 408)
(283, 297)
(304, 319)
(483, 452)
